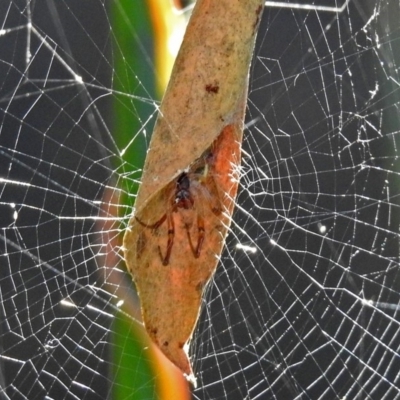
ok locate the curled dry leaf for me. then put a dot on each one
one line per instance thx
(190, 179)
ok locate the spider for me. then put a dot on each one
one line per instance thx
(187, 193)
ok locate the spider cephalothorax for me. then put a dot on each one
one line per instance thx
(193, 190)
(183, 197)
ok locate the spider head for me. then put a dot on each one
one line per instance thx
(183, 198)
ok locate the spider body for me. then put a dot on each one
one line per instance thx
(191, 190)
(183, 198)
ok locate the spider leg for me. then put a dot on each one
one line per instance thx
(210, 195)
(154, 226)
(214, 200)
(171, 236)
(200, 239)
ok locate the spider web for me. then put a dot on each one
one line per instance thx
(304, 304)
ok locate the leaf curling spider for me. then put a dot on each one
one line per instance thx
(188, 193)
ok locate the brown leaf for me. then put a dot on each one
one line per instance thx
(184, 206)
